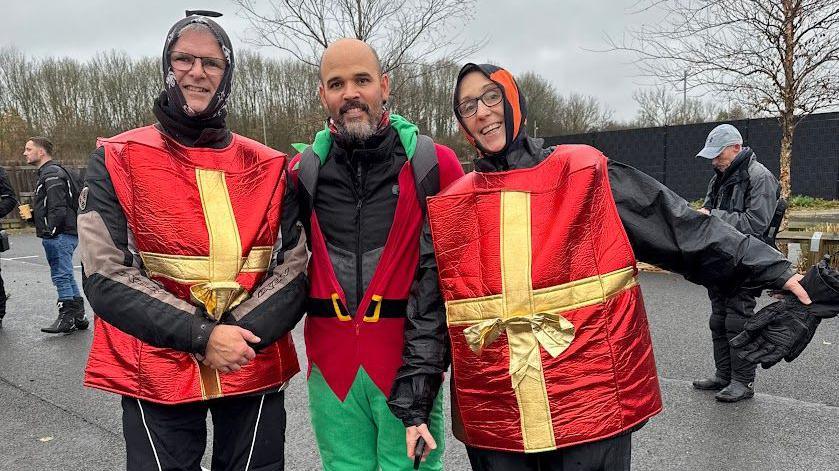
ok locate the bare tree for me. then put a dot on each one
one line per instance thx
(275, 101)
(424, 95)
(657, 107)
(778, 56)
(734, 112)
(403, 32)
(13, 135)
(580, 113)
(551, 114)
(544, 105)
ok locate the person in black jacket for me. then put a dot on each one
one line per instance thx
(7, 204)
(662, 230)
(54, 215)
(743, 193)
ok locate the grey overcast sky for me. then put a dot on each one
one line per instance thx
(550, 37)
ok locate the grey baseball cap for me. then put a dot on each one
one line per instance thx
(718, 139)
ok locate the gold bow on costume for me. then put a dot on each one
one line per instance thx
(218, 297)
(525, 334)
(211, 280)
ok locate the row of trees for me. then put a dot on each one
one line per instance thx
(658, 107)
(769, 57)
(74, 102)
(274, 101)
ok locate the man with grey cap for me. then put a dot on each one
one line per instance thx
(743, 193)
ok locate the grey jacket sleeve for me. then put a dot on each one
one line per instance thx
(760, 204)
(666, 232)
(706, 203)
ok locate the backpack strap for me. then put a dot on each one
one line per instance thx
(775, 224)
(426, 171)
(307, 180)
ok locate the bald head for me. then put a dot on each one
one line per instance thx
(349, 50)
(353, 89)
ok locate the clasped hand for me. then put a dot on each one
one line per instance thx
(229, 348)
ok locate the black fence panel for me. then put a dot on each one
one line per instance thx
(815, 164)
(668, 153)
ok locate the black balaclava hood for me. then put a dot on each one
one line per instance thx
(170, 107)
(515, 107)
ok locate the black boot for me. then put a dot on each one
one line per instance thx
(80, 320)
(3, 302)
(736, 391)
(714, 383)
(65, 323)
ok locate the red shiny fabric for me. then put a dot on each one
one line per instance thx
(155, 182)
(605, 382)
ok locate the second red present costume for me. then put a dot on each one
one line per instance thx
(552, 363)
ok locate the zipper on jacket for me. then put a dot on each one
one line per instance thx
(359, 257)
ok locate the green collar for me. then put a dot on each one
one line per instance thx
(407, 134)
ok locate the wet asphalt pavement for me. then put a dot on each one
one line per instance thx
(48, 421)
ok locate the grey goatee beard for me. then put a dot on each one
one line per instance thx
(356, 131)
(359, 131)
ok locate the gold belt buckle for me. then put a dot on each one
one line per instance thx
(337, 307)
(375, 317)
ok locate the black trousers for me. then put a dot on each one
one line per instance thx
(2, 297)
(729, 314)
(611, 454)
(248, 434)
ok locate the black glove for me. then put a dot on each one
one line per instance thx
(783, 329)
(822, 284)
(780, 330)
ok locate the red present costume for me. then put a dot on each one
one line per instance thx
(550, 343)
(207, 238)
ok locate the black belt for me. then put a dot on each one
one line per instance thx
(377, 309)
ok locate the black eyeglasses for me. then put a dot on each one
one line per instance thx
(183, 61)
(469, 107)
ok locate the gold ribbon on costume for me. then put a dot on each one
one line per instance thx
(552, 331)
(220, 292)
(218, 296)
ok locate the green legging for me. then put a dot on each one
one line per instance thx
(361, 433)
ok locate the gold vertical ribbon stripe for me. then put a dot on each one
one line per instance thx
(517, 299)
(530, 318)
(221, 291)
